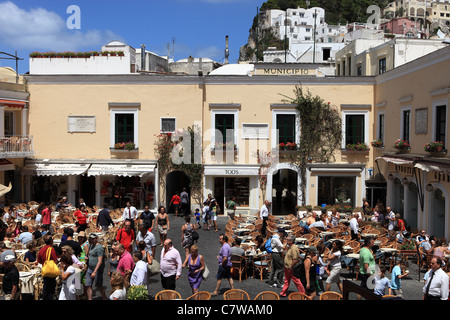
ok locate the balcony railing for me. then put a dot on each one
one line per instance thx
(16, 146)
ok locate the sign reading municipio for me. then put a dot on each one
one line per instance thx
(287, 71)
(80, 124)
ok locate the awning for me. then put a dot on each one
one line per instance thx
(124, 170)
(13, 103)
(6, 165)
(55, 169)
(426, 167)
(395, 160)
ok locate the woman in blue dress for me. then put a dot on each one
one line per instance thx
(196, 265)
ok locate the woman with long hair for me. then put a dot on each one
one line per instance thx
(118, 290)
(162, 221)
(334, 265)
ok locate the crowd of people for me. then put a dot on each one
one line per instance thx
(132, 262)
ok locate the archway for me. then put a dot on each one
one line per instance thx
(283, 188)
(398, 197)
(175, 182)
(437, 213)
(411, 210)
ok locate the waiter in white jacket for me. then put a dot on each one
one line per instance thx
(264, 215)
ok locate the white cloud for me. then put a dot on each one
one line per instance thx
(40, 29)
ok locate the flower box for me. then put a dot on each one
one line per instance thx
(288, 146)
(129, 146)
(377, 143)
(357, 147)
(401, 144)
(435, 148)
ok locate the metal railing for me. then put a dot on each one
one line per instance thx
(18, 146)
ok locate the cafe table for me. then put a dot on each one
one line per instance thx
(301, 240)
(365, 235)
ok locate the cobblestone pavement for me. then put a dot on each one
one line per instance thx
(209, 247)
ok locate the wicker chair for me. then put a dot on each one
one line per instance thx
(267, 295)
(260, 264)
(236, 294)
(330, 295)
(167, 295)
(201, 295)
(240, 264)
(298, 296)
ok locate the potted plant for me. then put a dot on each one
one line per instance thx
(95, 53)
(401, 144)
(113, 53)
(120, 53)
(137, 293)
(377, 143)
(104, 53)
(435, 147)
(130, 145)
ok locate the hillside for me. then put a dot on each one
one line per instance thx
(336, 11)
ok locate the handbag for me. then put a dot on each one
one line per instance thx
(205, 274)
(195, 235)
(153, 269)
(49, 268)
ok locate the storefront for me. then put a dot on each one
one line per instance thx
(242, 182)
(334, 184)
(98, 183)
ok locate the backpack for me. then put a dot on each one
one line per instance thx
(298, 270)
(268, 245)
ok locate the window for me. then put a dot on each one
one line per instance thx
(9, 123)
(382, 66)
(380, 134)
(168, 124)
(354, 129)
(124, 128)
(359, 70)
(124, 123)
(343, 68)
(286, 128)
(406, 122)
(441, 123)
(349, 66)
(336, 191)
(225, 122)
(326, 53)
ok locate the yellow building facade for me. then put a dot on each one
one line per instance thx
(77, 120)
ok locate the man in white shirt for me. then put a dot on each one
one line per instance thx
(130, 213)
(148, 238)
(277, 262)
(354, 226)
(436, 286)
(139, 274)
(264, 215)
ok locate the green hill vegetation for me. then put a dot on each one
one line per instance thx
(336, 12)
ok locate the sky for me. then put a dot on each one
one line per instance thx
(191, 27)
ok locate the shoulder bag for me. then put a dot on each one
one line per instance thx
(50, 269)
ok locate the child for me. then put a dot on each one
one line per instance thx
(197, 217)
(381, 283)
(30, 255)
(398, 272)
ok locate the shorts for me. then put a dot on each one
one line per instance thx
(223, 272)
(214, 217)
(97, 281)
(334, 276)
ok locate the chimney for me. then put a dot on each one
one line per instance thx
(227, 52)
(143, 56)
(200, 67)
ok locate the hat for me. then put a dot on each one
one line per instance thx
(82, 234)
(8, 244)
(92, 236)
(7, 256)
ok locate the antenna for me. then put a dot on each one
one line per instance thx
(227, 52)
